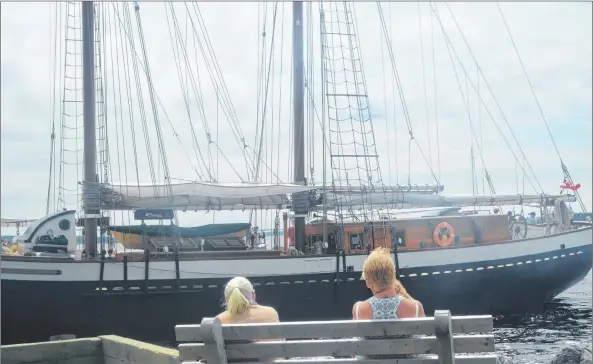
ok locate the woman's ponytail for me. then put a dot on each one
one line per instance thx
(237, 303)
(399, 288)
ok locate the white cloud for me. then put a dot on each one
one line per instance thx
(554, 41)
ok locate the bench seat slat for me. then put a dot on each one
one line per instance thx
(467, 359)
(336, 329)
(459, 359)
(341, 347)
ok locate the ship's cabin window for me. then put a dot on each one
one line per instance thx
(64, 224)
(356, 241)
(400, 238)
(314, 239)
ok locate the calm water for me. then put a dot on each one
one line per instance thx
(534, 339)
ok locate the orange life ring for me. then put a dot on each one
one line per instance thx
(443, 238)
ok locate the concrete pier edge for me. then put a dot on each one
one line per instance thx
(108, 349)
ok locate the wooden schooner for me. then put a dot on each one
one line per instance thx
(177, 274)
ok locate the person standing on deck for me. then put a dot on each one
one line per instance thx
(241, 307)
(390, 299)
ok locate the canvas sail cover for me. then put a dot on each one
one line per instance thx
(8, 222)
(203, 231)
(235, 196)
(190, 196)
(415, 200)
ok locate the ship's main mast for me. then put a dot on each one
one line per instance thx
(298, 102)
(88, 102)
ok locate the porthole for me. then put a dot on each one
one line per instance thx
(64, 224)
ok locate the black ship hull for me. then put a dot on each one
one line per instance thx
(35, 310)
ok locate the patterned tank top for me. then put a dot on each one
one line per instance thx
(385, 308)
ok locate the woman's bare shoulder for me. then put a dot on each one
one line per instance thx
(362, 310)
(266, 308)
(223, 317)
(270, 312)
(410, 308)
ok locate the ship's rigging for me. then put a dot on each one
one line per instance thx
(342, 112)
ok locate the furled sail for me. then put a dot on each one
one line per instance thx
(231, 196)
(8, 222)
(414, 200)
(183, 232)
(190, 196)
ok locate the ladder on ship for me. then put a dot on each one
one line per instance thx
(354, 159)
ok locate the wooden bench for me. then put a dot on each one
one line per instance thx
(444, 340)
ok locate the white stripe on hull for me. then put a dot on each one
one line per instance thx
(195, 269)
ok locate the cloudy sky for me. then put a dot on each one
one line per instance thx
(553, 41)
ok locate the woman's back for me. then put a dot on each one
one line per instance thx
(385, 308)
(241, 307)
(253, 314)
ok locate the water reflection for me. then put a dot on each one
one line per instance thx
(535, 338)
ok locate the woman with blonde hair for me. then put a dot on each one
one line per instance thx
(390, 299)
(241, 307)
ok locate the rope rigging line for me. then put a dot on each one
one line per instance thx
(434, 85)
(528, 81)
(215, 74)
(467, 110)
(290, 164)
(101, 13)
(333, 84)
(115, 56)
(280, 90)
(451, 47)
(69, 113)
(178, 45)
(216, 83)
(157, 124)
(261, 53)
(209, 167)
(479, 145)
(129, 34)
(544, 119)
(481, 134)
(353, 152)
(127, 29)
(325, 56)
(424, 85)
(61, 35)
(372, 132)
(387, 134)
(491, 92)
(103, 161)
(266, 72)
(215, 65)
(120, 43)
(128, 87)
(393, 99)
(402, 97)
(195, 47)
(52, 83)
(265, 95)
(309, 76)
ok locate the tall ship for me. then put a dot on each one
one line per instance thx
(140, 272)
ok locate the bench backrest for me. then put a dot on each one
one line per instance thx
(443, 338)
